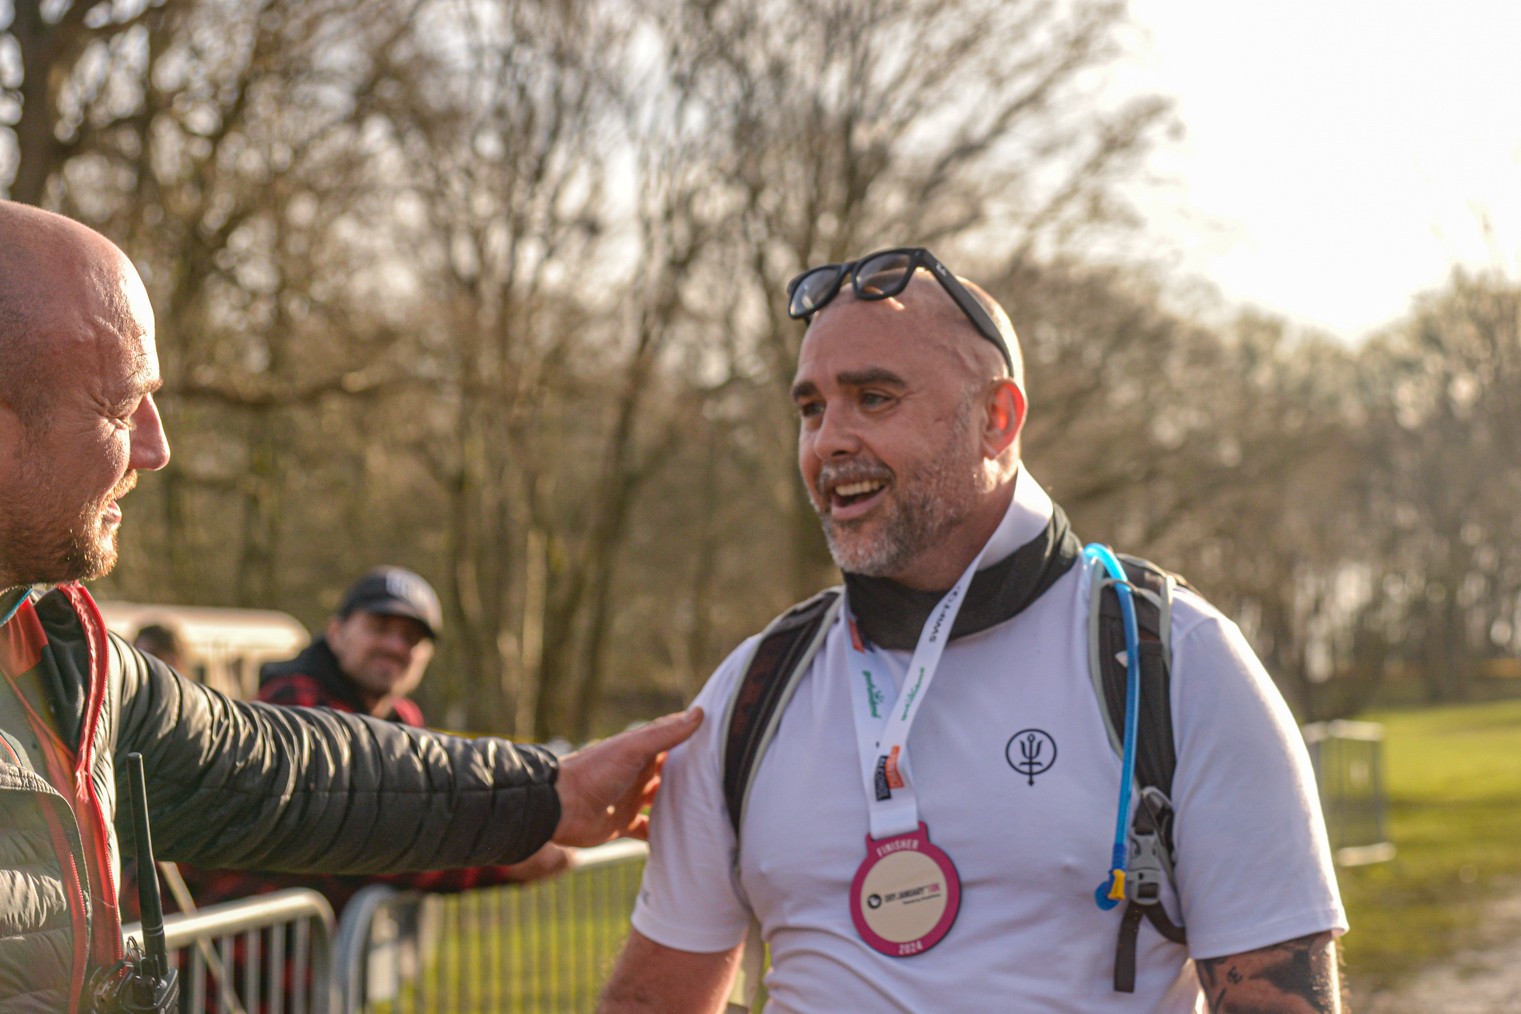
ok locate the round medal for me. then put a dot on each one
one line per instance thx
(905, 894)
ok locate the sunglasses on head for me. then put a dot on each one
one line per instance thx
(882, 275)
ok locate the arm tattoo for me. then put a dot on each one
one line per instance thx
(1294, 977)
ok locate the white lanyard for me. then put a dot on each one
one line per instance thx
(882, 737)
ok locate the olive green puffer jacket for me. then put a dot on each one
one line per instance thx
(230, 785)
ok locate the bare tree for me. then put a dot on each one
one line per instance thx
(70, 80)
(852, 126)
(1445, 412)
(560, 283)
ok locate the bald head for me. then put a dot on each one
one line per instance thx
(78, 422)
(50, 266)
(908, 436)
(1005, 330)
(945, 324)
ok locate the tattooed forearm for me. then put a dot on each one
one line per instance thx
(1294, 977)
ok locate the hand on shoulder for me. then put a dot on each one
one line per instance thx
(605, 787)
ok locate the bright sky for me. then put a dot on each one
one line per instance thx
(1340, 156)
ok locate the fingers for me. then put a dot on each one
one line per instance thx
(604, 788)
(650, 788)
(664, 732)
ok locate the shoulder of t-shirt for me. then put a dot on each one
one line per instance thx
(1193, 614)
(720, 688)
(714, 698)
(1205, 640)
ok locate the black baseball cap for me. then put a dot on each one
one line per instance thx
(395, 591)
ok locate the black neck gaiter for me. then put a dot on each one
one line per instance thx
(892, 616)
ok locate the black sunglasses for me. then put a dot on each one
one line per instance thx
(882, 275)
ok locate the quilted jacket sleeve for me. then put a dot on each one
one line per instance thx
(252, 786)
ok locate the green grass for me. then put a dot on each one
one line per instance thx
(546, 947)
(1453, 777)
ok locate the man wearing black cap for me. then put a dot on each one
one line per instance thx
(374, 653)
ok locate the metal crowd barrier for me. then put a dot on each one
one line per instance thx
(546, 946)
(271, 953)
(1349, 770)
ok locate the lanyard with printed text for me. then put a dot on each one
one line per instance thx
(906, 892)
(882, 738)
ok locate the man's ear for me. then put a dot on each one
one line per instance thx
(1004, 419)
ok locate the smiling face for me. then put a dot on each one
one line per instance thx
(64, 468)
(383, 656)
(905, 435)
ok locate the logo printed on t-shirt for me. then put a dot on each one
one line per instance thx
(1031, 752)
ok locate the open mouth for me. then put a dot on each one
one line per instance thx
(111, 515)
(852, 499)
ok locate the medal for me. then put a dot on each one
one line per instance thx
(905, 894)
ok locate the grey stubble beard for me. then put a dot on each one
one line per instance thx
(933, 498)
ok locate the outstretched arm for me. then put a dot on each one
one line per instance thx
(1298, 976)
(652, 978)
(235, 785)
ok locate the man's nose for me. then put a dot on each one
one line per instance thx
(150, 445)
(837, 435)
(399, 641)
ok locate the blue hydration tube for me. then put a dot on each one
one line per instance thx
(1112, 891)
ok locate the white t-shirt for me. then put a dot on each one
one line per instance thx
(1253, 864)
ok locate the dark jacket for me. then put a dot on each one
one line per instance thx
(230, 785)
(314, 679)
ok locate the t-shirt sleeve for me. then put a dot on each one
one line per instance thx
(1253, 860)
(689, 900)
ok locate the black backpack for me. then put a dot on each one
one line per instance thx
(787, 647)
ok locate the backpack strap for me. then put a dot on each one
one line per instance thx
(782, 654)
(1151, 845)
(1156, 754)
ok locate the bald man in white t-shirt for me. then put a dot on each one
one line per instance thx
(926, 829)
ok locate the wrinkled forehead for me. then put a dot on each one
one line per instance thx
(100, 325)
